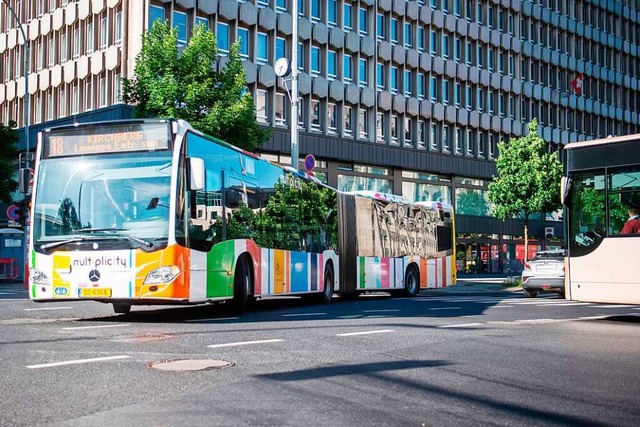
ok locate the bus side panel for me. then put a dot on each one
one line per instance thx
(221, 262)
(285, 272)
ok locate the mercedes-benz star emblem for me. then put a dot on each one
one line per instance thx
(94, 275)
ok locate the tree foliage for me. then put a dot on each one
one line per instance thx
(171, 81)
(528, 178)
(8, 183)
(472, 202)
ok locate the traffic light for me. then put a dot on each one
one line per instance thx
(548, 233)
(22, 210)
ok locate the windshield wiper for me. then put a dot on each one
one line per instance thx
(62, 242)
(138, 240)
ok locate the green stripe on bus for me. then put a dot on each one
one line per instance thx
(363, 275)
(220, 262)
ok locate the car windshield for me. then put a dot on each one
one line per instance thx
(115, 196)
(554, 256)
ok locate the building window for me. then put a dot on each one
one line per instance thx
(50, 105)
(104, 33)
(469, 143)
(363, 76)
(332, 118)
(75, 100)
(480, 99)
(422, 134)
(62, 103)
(420, 39)
(118, 36)
(481, 144)
(380, 26)
(394, 80)
(446, 144)
(63, 47)
(281, 6)
(155, 13)
(348, 121)
(459, 141)
(456, 93)
(347, 68)
(445, 92)
(363, 124)
(262, 49)
(480, 56)
(408, 80)
(300, 56)
(433, 88)
(394, 31)
(243, 37)
(118, 89)
(445, 46)
(281, 48)
(347, 18)
(180, 23)
(315, 115)
(281, 109)
(420, 86)
(433, 43)
(408, 35)
(88, 95)
(394, 129)
(261, 105)
(332, 14)
(315, 61)
(380, 127)
(490, 102)
(332, 66)
(407, 132)
(364, 21)
(51, 51)
(456, 49)
(433, 137)
(102, 94)
(315, 10)
(222, 37)
(380, 76)
(204, 22)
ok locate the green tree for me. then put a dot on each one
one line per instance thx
(182, 83)
(8, 184)
(528, 179)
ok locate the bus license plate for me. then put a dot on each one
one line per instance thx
(95, 292)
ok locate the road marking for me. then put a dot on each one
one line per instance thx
(614, 306)
(233, 344)
(73, 328)
(445, 308)
(48, 308)
(463, 325)
(380, 311)
(303, 314)
(566, 304)
(212, 319)
(502, 306)
(602, 316)
(76, 362)
(380, 331)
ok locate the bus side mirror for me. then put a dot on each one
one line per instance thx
(195, 169)
(565, 188)
(24, 179)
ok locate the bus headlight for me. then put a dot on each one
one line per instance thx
(39, 277)
(162, 275)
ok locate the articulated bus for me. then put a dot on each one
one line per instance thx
(154, 212)
(601, 182)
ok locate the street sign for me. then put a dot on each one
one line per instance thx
(12, 213)
(309, 162)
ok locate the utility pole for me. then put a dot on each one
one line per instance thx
(295, 151)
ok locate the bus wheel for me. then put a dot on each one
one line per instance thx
(121, 308)
(242, 285)
(529, 294)
(327, 292)
(411, 282)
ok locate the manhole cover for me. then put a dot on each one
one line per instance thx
(190, 365)
(144, 337)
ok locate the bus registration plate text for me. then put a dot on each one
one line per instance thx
(95, 292)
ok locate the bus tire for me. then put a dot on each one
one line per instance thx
(411, 281)
(121, 308)
(327, 291)
(242, 285)
(529, 294)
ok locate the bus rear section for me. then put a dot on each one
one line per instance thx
(388, 244)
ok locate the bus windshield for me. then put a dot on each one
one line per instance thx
(108, 196)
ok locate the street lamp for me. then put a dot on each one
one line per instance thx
(295, 152)
(26, 89)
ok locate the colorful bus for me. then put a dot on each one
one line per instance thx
(154, 212)
(601, 182)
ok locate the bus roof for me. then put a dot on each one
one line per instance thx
(608, 140)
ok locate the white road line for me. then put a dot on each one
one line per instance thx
(463, 325)
(380, 311)
(233, 344)
(380, 331)
(501, 306)
(566, 304)
(73, 328)
(602, 316)
(212, 319)
(303, 314)
(48, 308)
(614, 306)
(76, 362)
(445, 308)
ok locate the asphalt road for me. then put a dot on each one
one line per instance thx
(465, 356)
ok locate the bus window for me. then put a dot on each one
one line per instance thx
(587, 221)
(624, 192)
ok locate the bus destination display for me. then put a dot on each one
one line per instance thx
(107, 139)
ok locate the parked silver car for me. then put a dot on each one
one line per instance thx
(544, 273)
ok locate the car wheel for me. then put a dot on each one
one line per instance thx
(529, 294)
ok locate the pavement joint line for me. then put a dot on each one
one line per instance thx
(304, 314)
(241, 343)
(211, 319)
(47, 308)
(77, 361)
(379, 331)
(73, 328)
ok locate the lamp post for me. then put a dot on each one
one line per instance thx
(295, 152)
(27, 110)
